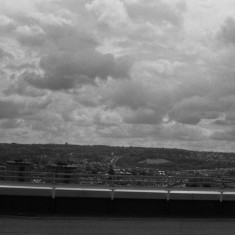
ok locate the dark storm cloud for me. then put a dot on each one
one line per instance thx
(194, 108)
(66, 70)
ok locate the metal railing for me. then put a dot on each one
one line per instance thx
(116, 180)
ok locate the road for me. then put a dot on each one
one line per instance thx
(113, 226)
(114, 160)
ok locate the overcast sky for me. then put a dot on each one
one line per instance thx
(154, 73)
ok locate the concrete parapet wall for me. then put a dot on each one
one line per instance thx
(83, 200)
(140, 194)
(25, 191)
(82, 192)
(228, 196)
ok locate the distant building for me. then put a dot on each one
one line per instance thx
(18, 170)
(62, 171)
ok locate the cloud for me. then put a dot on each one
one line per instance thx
(228, 135)
(130, 72)
(111, 14)
(156, 12)
(7, 24)
(21, 67)
(107, 118)
(227, 31)
(230, 116)
(118, 29)
(12, 108)
(33, 36)
(66, 70)
(64, 43)
(10, 124)
(5, 55)
(193, 109)
(143, 116)
(170, 131)
(21, 87)
(87, 63)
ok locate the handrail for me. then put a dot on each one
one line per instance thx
(116, 180)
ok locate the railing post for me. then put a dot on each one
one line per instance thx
(222, 183)
(53, 191)
(54, 176)
(112, 193)
(221, 196)
(112, 187)
(168, 189)
(112, 181)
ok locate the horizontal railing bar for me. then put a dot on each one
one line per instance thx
(81, 178)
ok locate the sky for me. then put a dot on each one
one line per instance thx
(151, 73)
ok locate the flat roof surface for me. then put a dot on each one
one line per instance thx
(111, 226)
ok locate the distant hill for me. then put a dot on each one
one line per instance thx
(160, 158)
